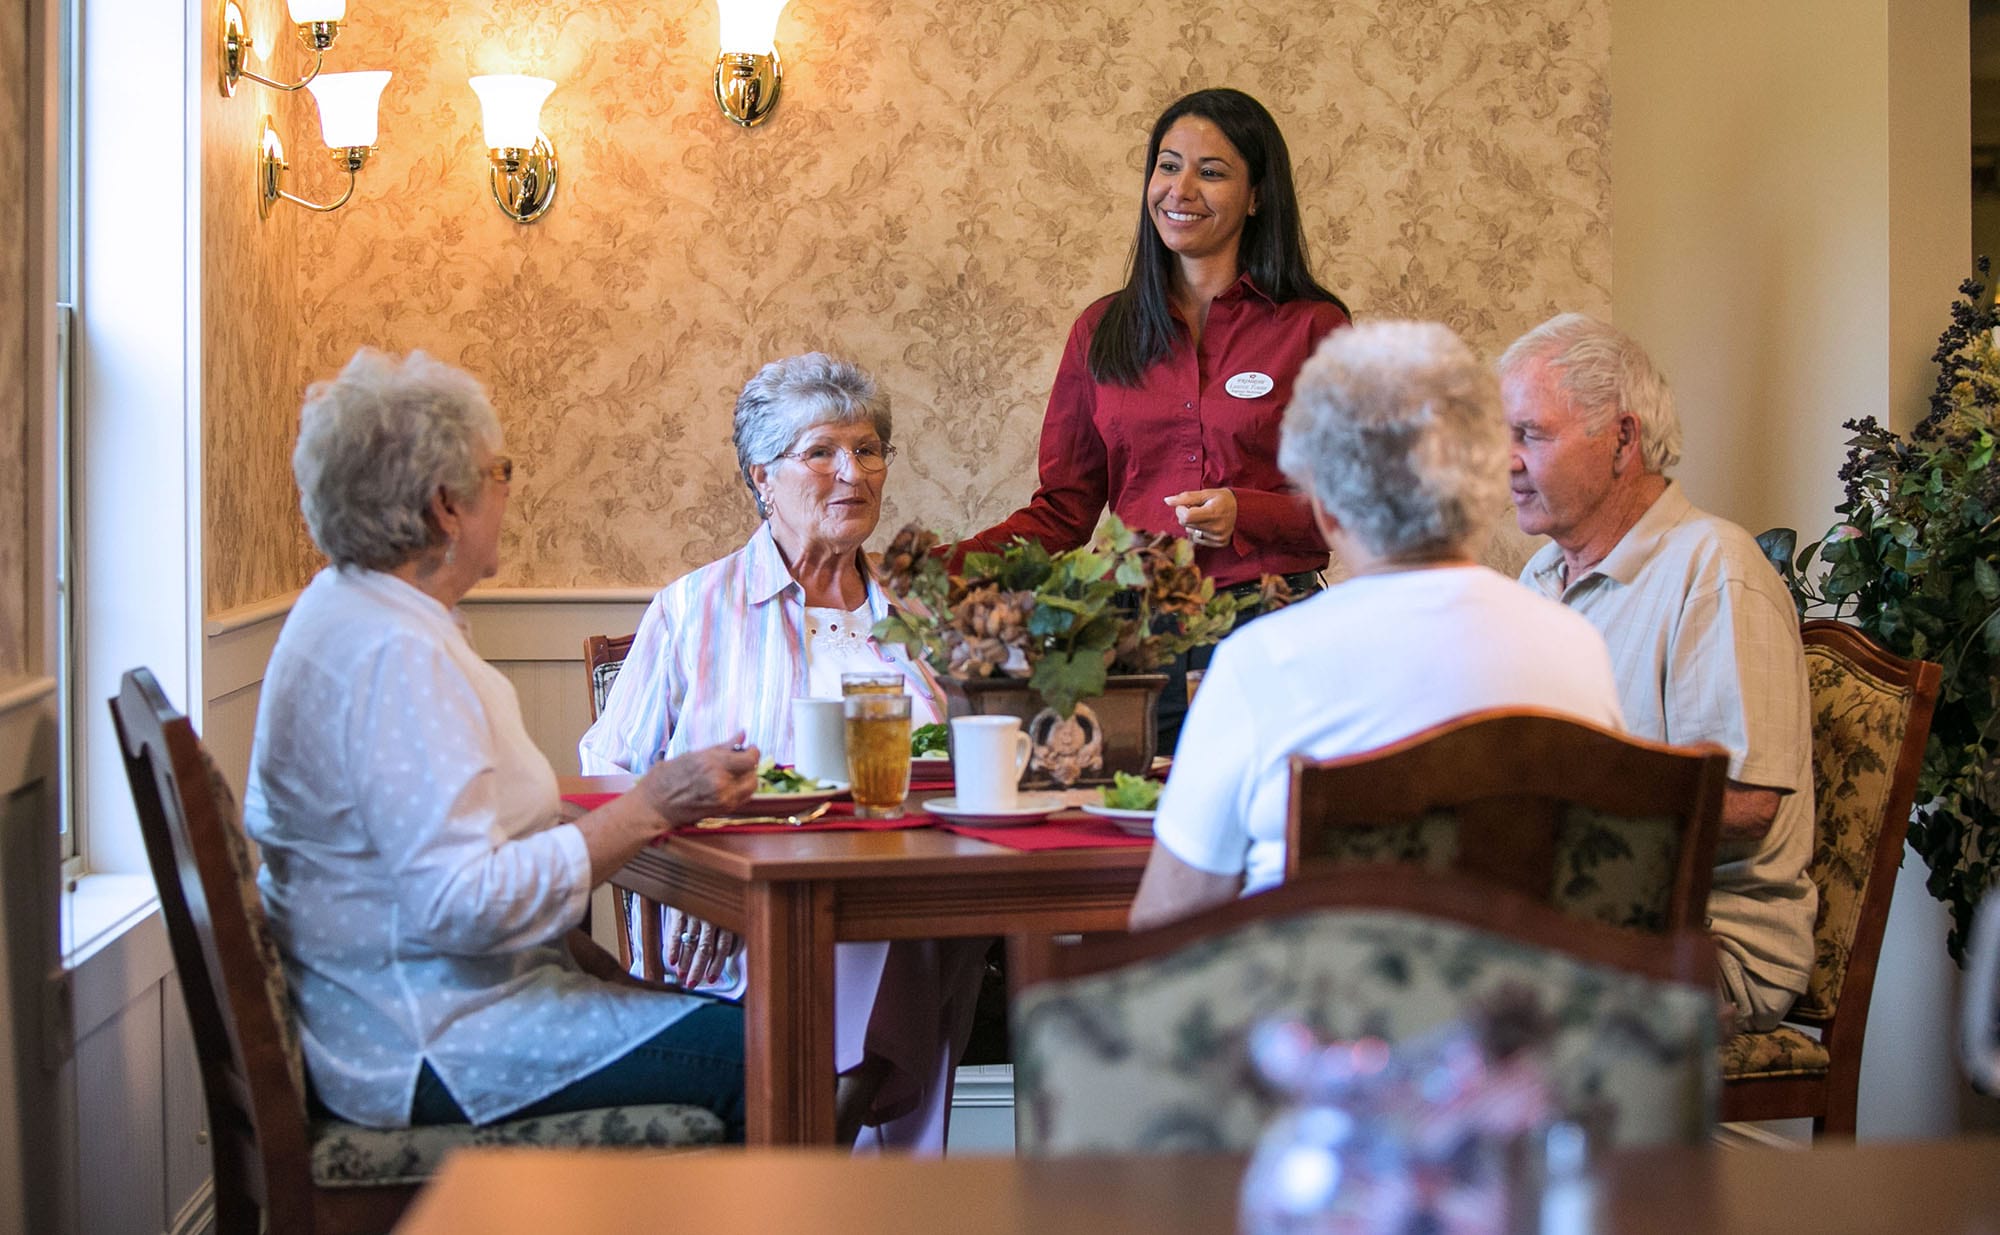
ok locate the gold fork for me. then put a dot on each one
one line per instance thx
(790, 821)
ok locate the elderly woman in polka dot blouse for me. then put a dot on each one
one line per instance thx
(731, 644)
(417, 872)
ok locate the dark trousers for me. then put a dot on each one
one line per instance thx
(1174, 698)
(696, 1061)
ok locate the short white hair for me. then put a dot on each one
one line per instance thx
(376, 442)
(1602, 372)
(789, 396)
(1396, 428)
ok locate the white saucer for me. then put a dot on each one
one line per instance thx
(1133, 822)
(1029, 808)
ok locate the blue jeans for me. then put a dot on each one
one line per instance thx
(696, 1061)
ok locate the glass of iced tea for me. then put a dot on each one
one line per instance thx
(884, 682)
(878, 753)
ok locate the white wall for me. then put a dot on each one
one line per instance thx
(1789, 214)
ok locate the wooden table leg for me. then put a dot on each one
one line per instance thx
(788, 1015)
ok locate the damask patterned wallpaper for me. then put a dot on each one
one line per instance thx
(943, 186)
(14, 526)
(255, 544)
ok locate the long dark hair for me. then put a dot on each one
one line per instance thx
(1138, 328)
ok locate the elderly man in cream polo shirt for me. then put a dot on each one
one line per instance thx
(1703, 636)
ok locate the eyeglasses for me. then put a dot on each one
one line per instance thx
(870, 458)
(501, 469)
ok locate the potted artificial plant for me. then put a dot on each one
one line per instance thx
(1915, 563)
(1069, 642)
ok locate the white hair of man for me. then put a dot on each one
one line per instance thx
(376, 442)
(1396, 428)
(789, 396)
(1602, 372)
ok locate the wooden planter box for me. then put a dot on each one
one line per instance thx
(1111, 732)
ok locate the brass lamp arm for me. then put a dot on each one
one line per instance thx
(336, 204)
(319, 59)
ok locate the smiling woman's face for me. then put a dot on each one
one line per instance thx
(823, 514)
(1200, 190)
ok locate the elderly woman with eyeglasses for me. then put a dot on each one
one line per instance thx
(418, 875)
(728, 646)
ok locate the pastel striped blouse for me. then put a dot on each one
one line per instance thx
(721, 649)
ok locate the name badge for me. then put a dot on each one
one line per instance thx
(1250, 385)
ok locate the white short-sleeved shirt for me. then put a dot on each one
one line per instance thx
(1365, 663)
(415, 873)
(1705, 641)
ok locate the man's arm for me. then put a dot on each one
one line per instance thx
(1748, 811)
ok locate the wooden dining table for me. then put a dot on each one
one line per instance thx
(793, 895)
(1938, 1188)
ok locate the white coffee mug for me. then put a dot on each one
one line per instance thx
(988, 755)
(819, 738)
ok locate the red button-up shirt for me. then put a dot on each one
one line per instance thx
(1203, 417)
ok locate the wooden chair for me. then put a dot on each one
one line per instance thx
(304, 1173)
(1137, 1045)
(1605, 826)
(1871, 717)
(603, 657)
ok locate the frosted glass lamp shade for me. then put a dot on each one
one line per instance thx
(347, 106)
(511, 108)
(304, 12)
(750, 27)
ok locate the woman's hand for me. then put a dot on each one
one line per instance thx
(698, 950)
(1209, 515)
(712, 781)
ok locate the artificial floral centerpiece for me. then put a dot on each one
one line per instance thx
(1065, 626)
(1915, 563)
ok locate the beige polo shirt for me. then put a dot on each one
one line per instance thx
(1704, 640)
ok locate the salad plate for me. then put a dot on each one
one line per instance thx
(1134, 822)
(777, 803)
(780, 790)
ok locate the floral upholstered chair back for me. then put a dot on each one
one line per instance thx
(1600, 825)
(1609, 868)
(1858, 727)
(277, 992)
(1151, 1057)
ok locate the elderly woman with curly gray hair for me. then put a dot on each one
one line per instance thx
(418, 874)
(1395, 432)
(729, 646)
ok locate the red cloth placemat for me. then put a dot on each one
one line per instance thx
(839, 817)
(1060, 834)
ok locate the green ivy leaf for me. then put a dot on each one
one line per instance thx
(1063, 678)
(1985, 578)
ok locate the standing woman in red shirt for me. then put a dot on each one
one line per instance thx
(1168, 399)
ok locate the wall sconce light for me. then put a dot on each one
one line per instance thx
(347, 120)
(523, 176)
(318, 22)
(747, 70)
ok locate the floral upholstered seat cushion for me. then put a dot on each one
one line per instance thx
(1152, 1057)
(351, 1156)
(1782, 1052)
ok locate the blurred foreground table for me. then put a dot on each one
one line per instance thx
(792, 895)
(1940, 1188)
